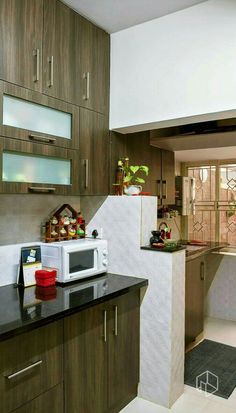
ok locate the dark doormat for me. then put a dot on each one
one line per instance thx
(211, 367)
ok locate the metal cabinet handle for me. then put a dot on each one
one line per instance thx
(105, 326)
(51, 63)
(36, 54)
(18, 373)
(159, 189)
(202, 271)
(164, 193)
(116, 320)
(86, 165)
(86, 76)
(41, 189)
(40, 138)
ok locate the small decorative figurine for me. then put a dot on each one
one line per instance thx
(54, 220)
(72, 231)
(54, 233)
(63, 231)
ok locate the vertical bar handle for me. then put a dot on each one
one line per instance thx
(202, 271)
(105, 326)
(36, 54)
(86, 76)
(86, 168)
(159, 189)
(116, 320)
(51, 63)
(164, 193)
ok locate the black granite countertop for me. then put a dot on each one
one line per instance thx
(164, 249)
(23, 309)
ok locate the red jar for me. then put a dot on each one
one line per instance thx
(45, 278)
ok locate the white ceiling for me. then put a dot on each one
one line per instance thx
(115, 15)
(206, 154)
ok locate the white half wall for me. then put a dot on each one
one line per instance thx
(179, 65)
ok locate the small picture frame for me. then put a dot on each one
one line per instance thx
(30, 261)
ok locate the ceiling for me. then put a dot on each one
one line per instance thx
(115, 15)
(206, 154)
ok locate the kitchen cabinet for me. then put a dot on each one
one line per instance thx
(48, 402)
(161, 178)
(34, 117)
(194, 298)
(21, 42)
(102, 356)
(94, 150)
(32, 167)
(93, 54)
(30, 365)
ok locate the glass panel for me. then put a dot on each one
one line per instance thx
(81, 260)
(205, 182)
(201, 226)
(227, 192)
(228, 226)
(36, 169)
(27, 115)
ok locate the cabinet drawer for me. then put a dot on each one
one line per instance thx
(30, 364)
(30, 167)
(49, 402)
(34, 117)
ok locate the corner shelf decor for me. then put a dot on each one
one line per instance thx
(65, 224)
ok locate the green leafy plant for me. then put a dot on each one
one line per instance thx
(131, 172)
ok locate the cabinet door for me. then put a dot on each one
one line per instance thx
(194, 298)
(85, 355)
(59, 40)
(94, 62)
(168, 177)
(49, 402)
(123, 356)
(31, 167)
(21, 24)
(32, 116)
(94, 149)
(30, 364)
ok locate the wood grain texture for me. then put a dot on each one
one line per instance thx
(168, 175)
(194, 299)
(39, 98)
(123, 351)
(94, 146)
(19, 352)
(23, 147)
(21, 25)
(48, 402)
(85, 362)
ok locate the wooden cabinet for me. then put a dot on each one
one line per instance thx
(161, 178)
(49, 402)
(31, 364)
(32, 167)
(102, 356)
(94, 150)
(21, 42)
(93, 54)
(194, 298)
(59, 52)
(37, 118)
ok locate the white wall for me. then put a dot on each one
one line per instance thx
(179, 65)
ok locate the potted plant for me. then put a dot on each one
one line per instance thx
(131, 179)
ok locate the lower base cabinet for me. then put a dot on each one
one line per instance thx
(101, 356)
(194, 298)
(48, 402)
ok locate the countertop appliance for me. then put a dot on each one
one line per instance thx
(185, 195)
(76, 259)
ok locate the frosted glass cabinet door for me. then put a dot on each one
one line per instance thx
(30, 167)
(35, 117)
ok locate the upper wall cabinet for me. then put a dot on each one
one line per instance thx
(21, 23)
(31, 116)
(48, 47)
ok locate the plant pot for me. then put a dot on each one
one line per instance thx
(132, 189)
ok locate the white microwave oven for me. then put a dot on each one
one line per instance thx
(76, 259)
